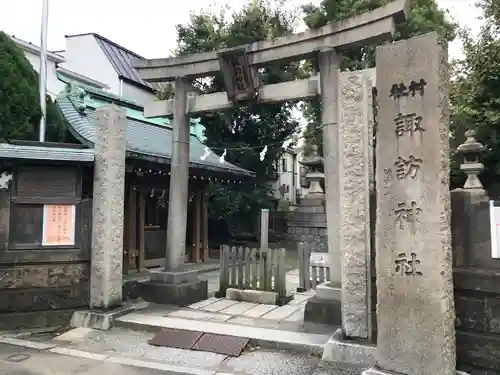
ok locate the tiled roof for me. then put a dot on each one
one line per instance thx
(145, 139)
(121, 60)
(11, 151)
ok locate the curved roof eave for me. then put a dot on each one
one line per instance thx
(82, 129)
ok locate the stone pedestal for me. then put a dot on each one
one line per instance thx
(179, 288)
(98, 319)
(108, 209)
(325, 306)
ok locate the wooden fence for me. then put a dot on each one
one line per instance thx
(254, 269)
(314, 268)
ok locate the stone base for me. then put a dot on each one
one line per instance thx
(328, 291)
(376, 371)
(182, 294)
(341, 350)
(97, 319)
(256, 296)
(323, 311)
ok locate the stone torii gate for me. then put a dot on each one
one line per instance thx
(238, 66)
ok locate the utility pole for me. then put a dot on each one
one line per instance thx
(43, 69)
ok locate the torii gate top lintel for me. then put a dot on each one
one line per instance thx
(374, 26)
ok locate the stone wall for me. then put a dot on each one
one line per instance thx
(41, 285)
(477, 286)
(308, 224)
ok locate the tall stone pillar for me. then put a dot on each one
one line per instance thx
(415, 306)
(356, 181)
(354, 148)
(177, 284)
(329, 67)
(179, 180)
(324, 308)
(108, 208)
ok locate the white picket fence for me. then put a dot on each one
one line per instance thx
(314, 268)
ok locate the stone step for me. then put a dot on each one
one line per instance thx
(311, 209)
(294, 341)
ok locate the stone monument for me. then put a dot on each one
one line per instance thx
(108, 205)
(415, 307)
(107, 221)
(355, 181)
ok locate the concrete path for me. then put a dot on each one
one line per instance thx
(297, 341)
(266, 325)
(289, 317)
(124, 352)
(237, 312)
(17, 360)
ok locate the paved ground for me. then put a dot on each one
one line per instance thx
(15, 360)
(125, 352)
(289, 317)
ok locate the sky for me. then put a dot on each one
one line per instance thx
(147, 27)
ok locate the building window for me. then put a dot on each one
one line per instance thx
(26, 223)
(283, 165)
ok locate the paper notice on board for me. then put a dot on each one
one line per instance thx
(58, 225)
(495, 229)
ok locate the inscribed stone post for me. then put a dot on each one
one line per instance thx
(108, 207)
(415, 310)
(354, 172)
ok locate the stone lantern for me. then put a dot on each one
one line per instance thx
(314, 176)
(471, 150)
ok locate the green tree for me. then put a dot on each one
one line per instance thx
(476, 94)
(424, 16)
(491, 10)
(19, 98)
(245, 130)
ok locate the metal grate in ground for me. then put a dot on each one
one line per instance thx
(175, 338)
(221, 344)
(183, 339)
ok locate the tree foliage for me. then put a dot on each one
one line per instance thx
(424, 16)
(20, 111)
(243, 131)
(476, 93)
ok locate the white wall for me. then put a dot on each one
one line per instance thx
(84, 56)
(54, 86)
(287, 177)
(136, 94)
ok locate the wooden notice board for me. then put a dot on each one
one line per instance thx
(58, 225)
